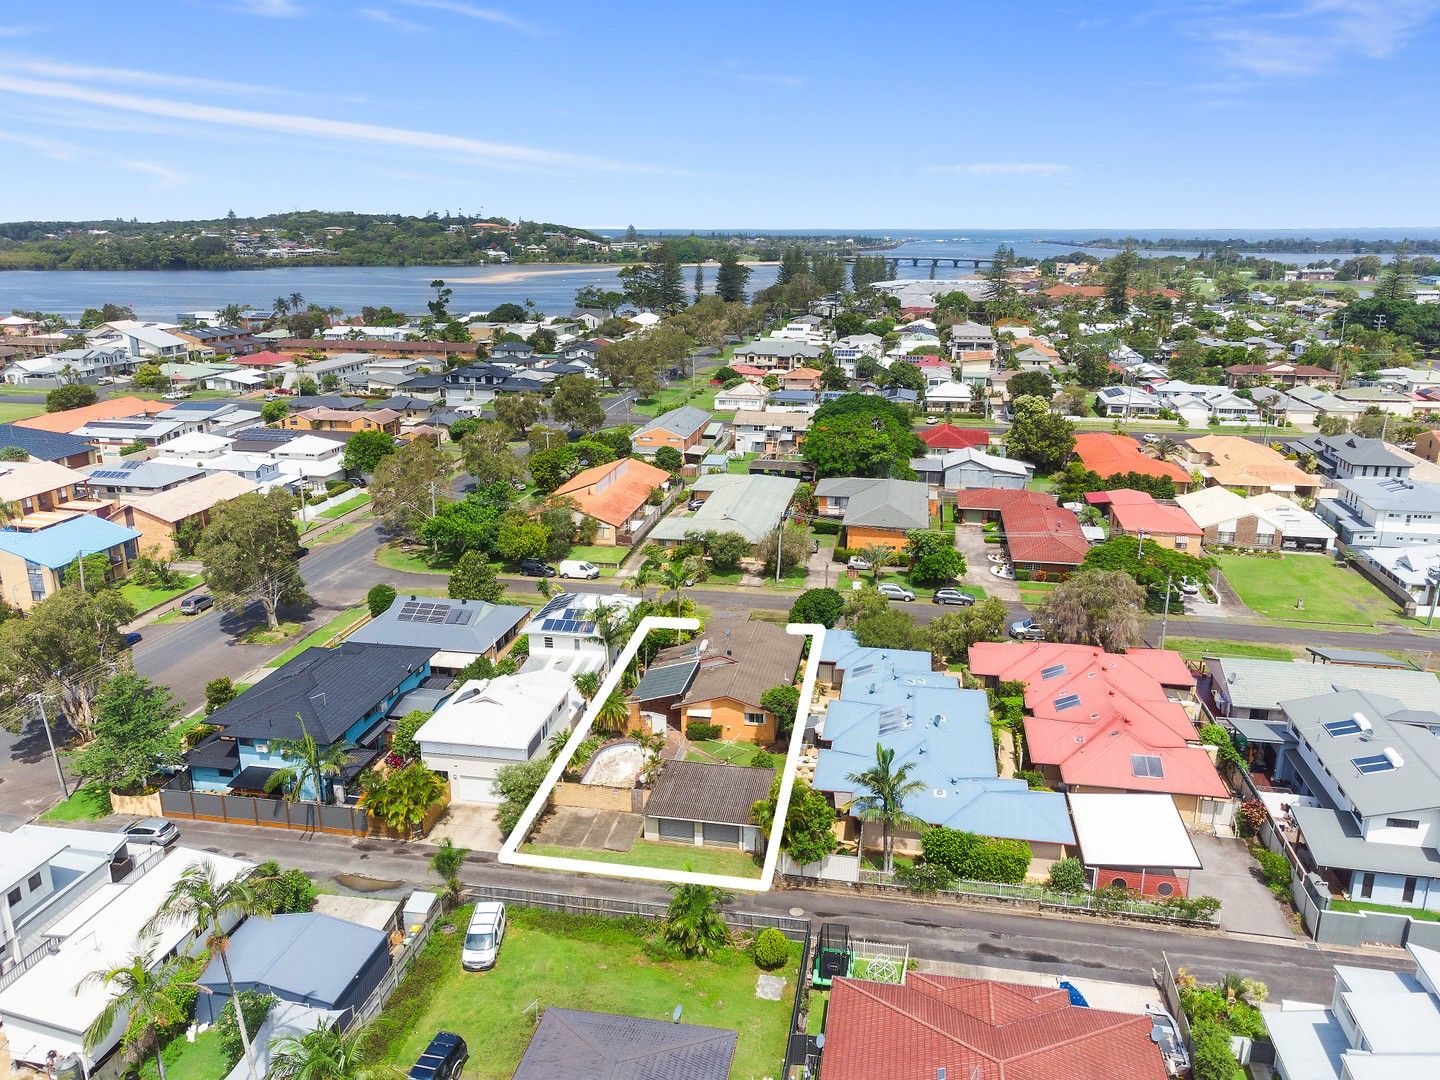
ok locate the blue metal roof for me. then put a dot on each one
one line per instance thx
(44, 445)
(57, 546)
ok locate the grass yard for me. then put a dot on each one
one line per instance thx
(412, 561)
(741, 465)
(335, 628)
(602, 555)
(84, 804)
(339, 532)
(1388, 909)
(1270, 587)
(661, 856)
(731, 753)
(1195, 648)
(701, 395)
(144, 597)
(354, 503)
(263, 635)
(201, 1060)
(10, 411)
(577, 962)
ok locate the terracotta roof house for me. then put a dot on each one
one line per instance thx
(264, 359)
(1135, 513)
(1106, 454)
(112, 408)
(1042, 536)
(615, 495)
(1236, 463)
(801, 378)
(570, 1043)
(975, 1029)
(1099, 721)
(943, 438)
(1279, 373)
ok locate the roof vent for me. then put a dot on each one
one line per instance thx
(938, 792)
(1394, 757)
(1362, 723)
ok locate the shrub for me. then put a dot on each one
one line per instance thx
(284, 892)
(1067, 875)
(379, 599)
(822, 606)
(825, 527)
(1212, 1059)
(925, 877)
(218, 692)
(1034, 778)
(762, 759)
(772, 949)
(405, 729)
(977, 858)
(1217, 736)
(1198, 908)
(257, 1006)
(1276, 868)
(702, 730)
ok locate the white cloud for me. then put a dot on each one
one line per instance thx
(18, 31)
(1311, 36)
(393, 21)
(72, 153)
(1001, 168)
(52, 69)
(471, 11)
(497, 154)
(270, 9)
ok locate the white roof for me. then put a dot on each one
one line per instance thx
(1131, 830)
(21, 856)
(308, 446)
(1211, 506)
(197, 442)
(504, 712)
(1290, 518)
(46, 993)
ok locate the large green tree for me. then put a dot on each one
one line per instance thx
(862, 441)
(952, 634)
(406, 485)
(365, 449)
(70, 396)
(732, 278)
(809, 834)
(487, 455)
(250, 553)
(1095, 607)
(474, 579)
(518, 411)
(135, 734)
(933, 556)
(1150, 564)
(1038, 435)
(576, 402)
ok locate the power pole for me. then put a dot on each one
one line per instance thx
(1165, 621)
(50, 738)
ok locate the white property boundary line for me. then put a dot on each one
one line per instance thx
(511, 855)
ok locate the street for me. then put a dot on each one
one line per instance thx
(1075, 947)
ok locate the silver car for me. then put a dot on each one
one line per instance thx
(152, 830)
(891, 591)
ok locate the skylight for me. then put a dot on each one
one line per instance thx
(1069, 701)
(1147, 765)
(1374, 763)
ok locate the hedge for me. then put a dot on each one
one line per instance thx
(702, 731)
(971, 857)
(825, 526)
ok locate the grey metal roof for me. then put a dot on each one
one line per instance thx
(1335, 840)
(1264, 684)
(781, 347)
(570, 1043)
(306, 957)
(669, 681)
(686, 420)
(884, 504)
(1355, 450)
(1393, 493)
(437, 623)
(751, 505)
(328, 689)
(698, 791)
(1362, 657)
(1412, 779)
(145, 475)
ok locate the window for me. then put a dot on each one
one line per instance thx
(1367, 886)
(1165, 889)
(1146, 765)
(1052, 671)
(549, 642)
(754, 719)
(34, 882)
(13, 897)
(1401, 823)
(1407, 894)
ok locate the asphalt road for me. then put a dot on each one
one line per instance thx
(1076, 947)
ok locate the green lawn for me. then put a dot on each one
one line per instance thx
(84, 804)
(577, 962)
(1388, 909)
(1270, 587)
(604, 556)
(731, 753)
(701, 395)
(339, 532)
(1195, 648)
(263, 635)
(353, 503)
(335, 628)
(10, 411)
(741, 465)
(201, 1060)
(144, 597)
(661, 856)
(412, 561)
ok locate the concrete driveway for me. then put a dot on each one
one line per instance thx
(470, 826)
(970, 541)
(1232, 876)
(598, 830)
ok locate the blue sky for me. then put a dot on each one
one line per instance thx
(1202, 113)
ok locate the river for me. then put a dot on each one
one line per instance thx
(155, 294)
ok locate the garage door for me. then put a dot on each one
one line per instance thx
(676, 830)
(471, 789)
(722, 834)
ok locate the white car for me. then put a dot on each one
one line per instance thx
(1150, 437)
(858, 563)
(1189, 586)
(483, 936)
(177, 395)
(891, 591)
(577, 568)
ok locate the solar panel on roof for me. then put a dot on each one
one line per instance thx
(1052, 671)
(1069, 701)
(459, 617)
(1147, 765)
(1374, 763)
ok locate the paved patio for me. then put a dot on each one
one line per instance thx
(1232, 876)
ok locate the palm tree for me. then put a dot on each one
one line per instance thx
(230, 314)
(640, 580)
(281, 305)
(1166, 448)
(587, 684)
(677, 576)
(297, 302)
(886, 789)
(614, 714)
(693, 923)
(141, 992)
(311, 763)
(199, 897)
(878, 556)
(403, 798)
(445, 864)
(323, 1054)
(610, 626)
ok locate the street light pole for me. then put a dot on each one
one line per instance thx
(1165, 622)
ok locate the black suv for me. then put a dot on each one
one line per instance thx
(443, 1058)
(536, 568)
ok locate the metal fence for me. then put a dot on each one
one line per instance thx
(391, 979)
(571, 904)
(800, 1048)
(179, 800)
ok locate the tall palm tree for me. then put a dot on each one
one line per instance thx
(281, 305)
(587, 685)
(610, 626)
(310, 762)
(878, 556)
(885, 790)
(1166, 448)
(614, 714)
(201, 899)
(639, 581)
(323, 1054)
(677, 576)
(297, 302)
(141, 991)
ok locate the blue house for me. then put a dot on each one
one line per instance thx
(340, 695)
(33, 563)
(891, 698)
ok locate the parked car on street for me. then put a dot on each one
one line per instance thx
(195, 603)
(891, 591)
(952, 596)
(536, 568)
(442, 1059)
(1027, 630)
(152, 830)
(578, 568)
(483, 936)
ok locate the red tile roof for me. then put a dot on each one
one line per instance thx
(1037, 529)
(1107, 454)
(950, 437)
(1097, 292)
(263, 359)
(1136, 512)
(1114, 705)
(978, 1030)
(613, 492)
